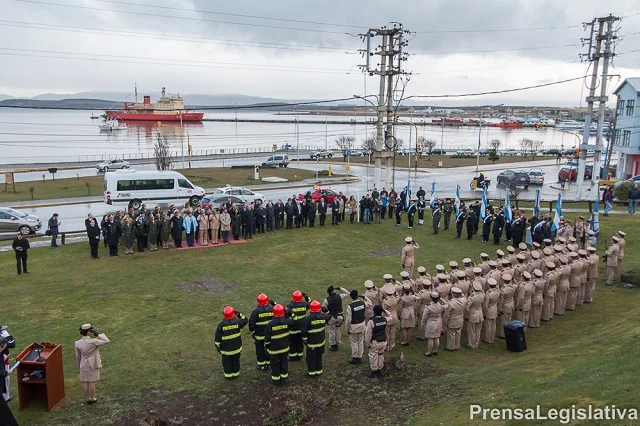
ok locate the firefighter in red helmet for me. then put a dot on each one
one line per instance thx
(313, 335)
(228, 341)
(298, 306)
(258, 321)
(276, 341)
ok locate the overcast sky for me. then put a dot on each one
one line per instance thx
(191, 51)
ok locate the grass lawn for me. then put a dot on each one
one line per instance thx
(162, 355)
(447, 161)
(206, 177)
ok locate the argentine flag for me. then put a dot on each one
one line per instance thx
(408, 200)
(556, 218)
(483, 205)
(507, 207)
(536, 205)
(456, 203)
(595, 221)
(432, 200)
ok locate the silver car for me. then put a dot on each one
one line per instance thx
(16, 221)
(114, 164)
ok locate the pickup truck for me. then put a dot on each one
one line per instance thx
(320, 153)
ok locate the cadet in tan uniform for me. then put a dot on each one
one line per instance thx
(355, 324)
(557, 254)
(432, 324)
(468, 268)
(548, 300)
(524, 250)
(440, 270)
(539, 285)
(562, 289)
(494, 273)
(506, 268)
(548, 256)
(484, 264)
(573, 245)
(422, 277)
(390, 304)
(535, 262)
(407, 312)
(453, 273)
(490, 311)
(536, 249)
(333, 303)
(512, 256)
(519, 267)
(454, 319)
(408, 255)
(463, 282)
(583, 278)
(477, 277)
(404, 276)
(375, 337)
(473, 309)
(621, 244)
(524, 294)
(506, 303)
(612, 261)
(592, 275)
(444, 287)
(373, 294)
(575, 279)
(499, 259)
(425, 296)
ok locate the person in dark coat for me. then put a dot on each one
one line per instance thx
(517, 230)
(498, 225)
(176, 229)
(140, 228)
(335, 211)
(93, 233)
(105, 218)
(53, 225)
(113, 236)
(298, 213)
(288, 209)
(20, 246)
(246, 219)
(6, 417)
(399, 209)
(486, 227)
(278, 211)
(270, 209)
(471, 223)
(236, 222)
(260, 215)
(311, 213)
(461, 216)
(322, 210)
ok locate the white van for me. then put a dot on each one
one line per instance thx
(280, 160)
(134, 188)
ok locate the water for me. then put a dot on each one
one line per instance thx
(40, 136)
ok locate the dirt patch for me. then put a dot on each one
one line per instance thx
(205, 284)
(386, 251)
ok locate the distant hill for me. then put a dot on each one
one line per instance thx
(96, 104)
(3, 97)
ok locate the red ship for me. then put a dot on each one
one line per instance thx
(168, 108)
(506, 124)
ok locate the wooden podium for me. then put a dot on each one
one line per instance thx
(43, 378)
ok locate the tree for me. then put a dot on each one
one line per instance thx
(369, 144)
(162, 154)
(344, 144)
(535, 147)
(493, 156)
(495, 144)
(427, 145)
(399, 144)
(525, 144)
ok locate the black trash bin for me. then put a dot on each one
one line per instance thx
(514, 335)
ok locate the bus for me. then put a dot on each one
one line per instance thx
(136, 187)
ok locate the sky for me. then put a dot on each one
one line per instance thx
(292, 49)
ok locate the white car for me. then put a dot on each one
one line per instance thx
(320, 153)
(246, 195)
(114, 164)
(536, 177)
(465, 152)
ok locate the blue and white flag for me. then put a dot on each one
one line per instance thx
(556, 218)
(408, 200)
(536, 205)
(456, 203)
(484, 204)
(507, 207)
(595, 221)
(432, 200)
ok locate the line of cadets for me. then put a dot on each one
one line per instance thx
(531, 286)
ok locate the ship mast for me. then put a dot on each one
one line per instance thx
(135, 89)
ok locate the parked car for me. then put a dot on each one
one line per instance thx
(536, 176)
(320, 153)
(569, 152)
(16, 221)
(246, 195)
(318, 193)
(554, 152)
(510, 152)
(438, 151)
(114, 164)
(216, 199)
(571, 174)
(465, 152)
(279, 160)
(356, 153)
(484, 152)
(514, 178)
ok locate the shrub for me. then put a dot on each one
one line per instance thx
(621, 192)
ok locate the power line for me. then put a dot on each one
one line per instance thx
(495, 30)
(495, 50)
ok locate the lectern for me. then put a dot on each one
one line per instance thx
(40, 375)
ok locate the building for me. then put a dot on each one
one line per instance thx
(627, 136)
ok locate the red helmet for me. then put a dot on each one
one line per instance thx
(297, 296)
(263, 300)
(314, 306)
(228, 312)
(278, 311)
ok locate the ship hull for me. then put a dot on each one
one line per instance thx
(131, 116)
(506, 125)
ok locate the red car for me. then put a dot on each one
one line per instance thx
(317, 194)
(571, 174)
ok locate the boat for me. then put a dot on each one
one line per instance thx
(111, 125)
(448, 121)
(570, 125)
(168, 108)
(506, 124)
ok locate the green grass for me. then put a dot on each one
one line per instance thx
(205, 177)
(162, 354)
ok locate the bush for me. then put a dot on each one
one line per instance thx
(463, 156)
(621, 192)
(493, 156)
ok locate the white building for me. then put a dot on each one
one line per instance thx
(627, 137)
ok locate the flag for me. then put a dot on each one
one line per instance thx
(556, 218)
(595, 221)
(432, 200)
(479, 133)
(483, 205)
(456, 203)
(507, 207)
(536, 205)
(408, 200)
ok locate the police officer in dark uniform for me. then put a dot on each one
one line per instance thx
(422, 205)
(447, 209)
(313, 336)
(517, 230)
(258, 321)
(498, 225)
(486, 227)
(298, 307)
(460, 218)
(276, 340)
(471, 223)
(228, 341)
(435, 218)
(399, 208)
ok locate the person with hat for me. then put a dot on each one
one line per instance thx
(524, 294)
(404, 275)
(552, 277)
(374, 295)
(440, 270)
(390, 304)
(512, 257)
(20, 246)
(519, 267)
(258, 321)
(484, 263)
(583, 278)
(479, 278)
(447, 209)
(490, 311)
(454, 318)
(494, 273)
(432, 324)
(498, 226)
(575, 279)
(276, 342)
(313, 336)
(506, 268)
(462, 282)
(408, 255)
(474, 315)
(468, 268)
(407, 310)
(621, 244)
(611, 256)
(572, 245)
(524, 250)
(176, 228)
(298, 307)
(592, 274)
(423, 277)
(88, 356)
(580, 231)
(436, 215)
(461, 216)
(486, 227)
(424, 296)
(506, 302)
(443, 287)
(517, 229)
(535, 262)
(355, 323)
(499, 258)
(539, 285)
(472, 227)
(562, 289)
(375, 337)
(228, 341)
(453, 273)
(333, 302)
(112, 231)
